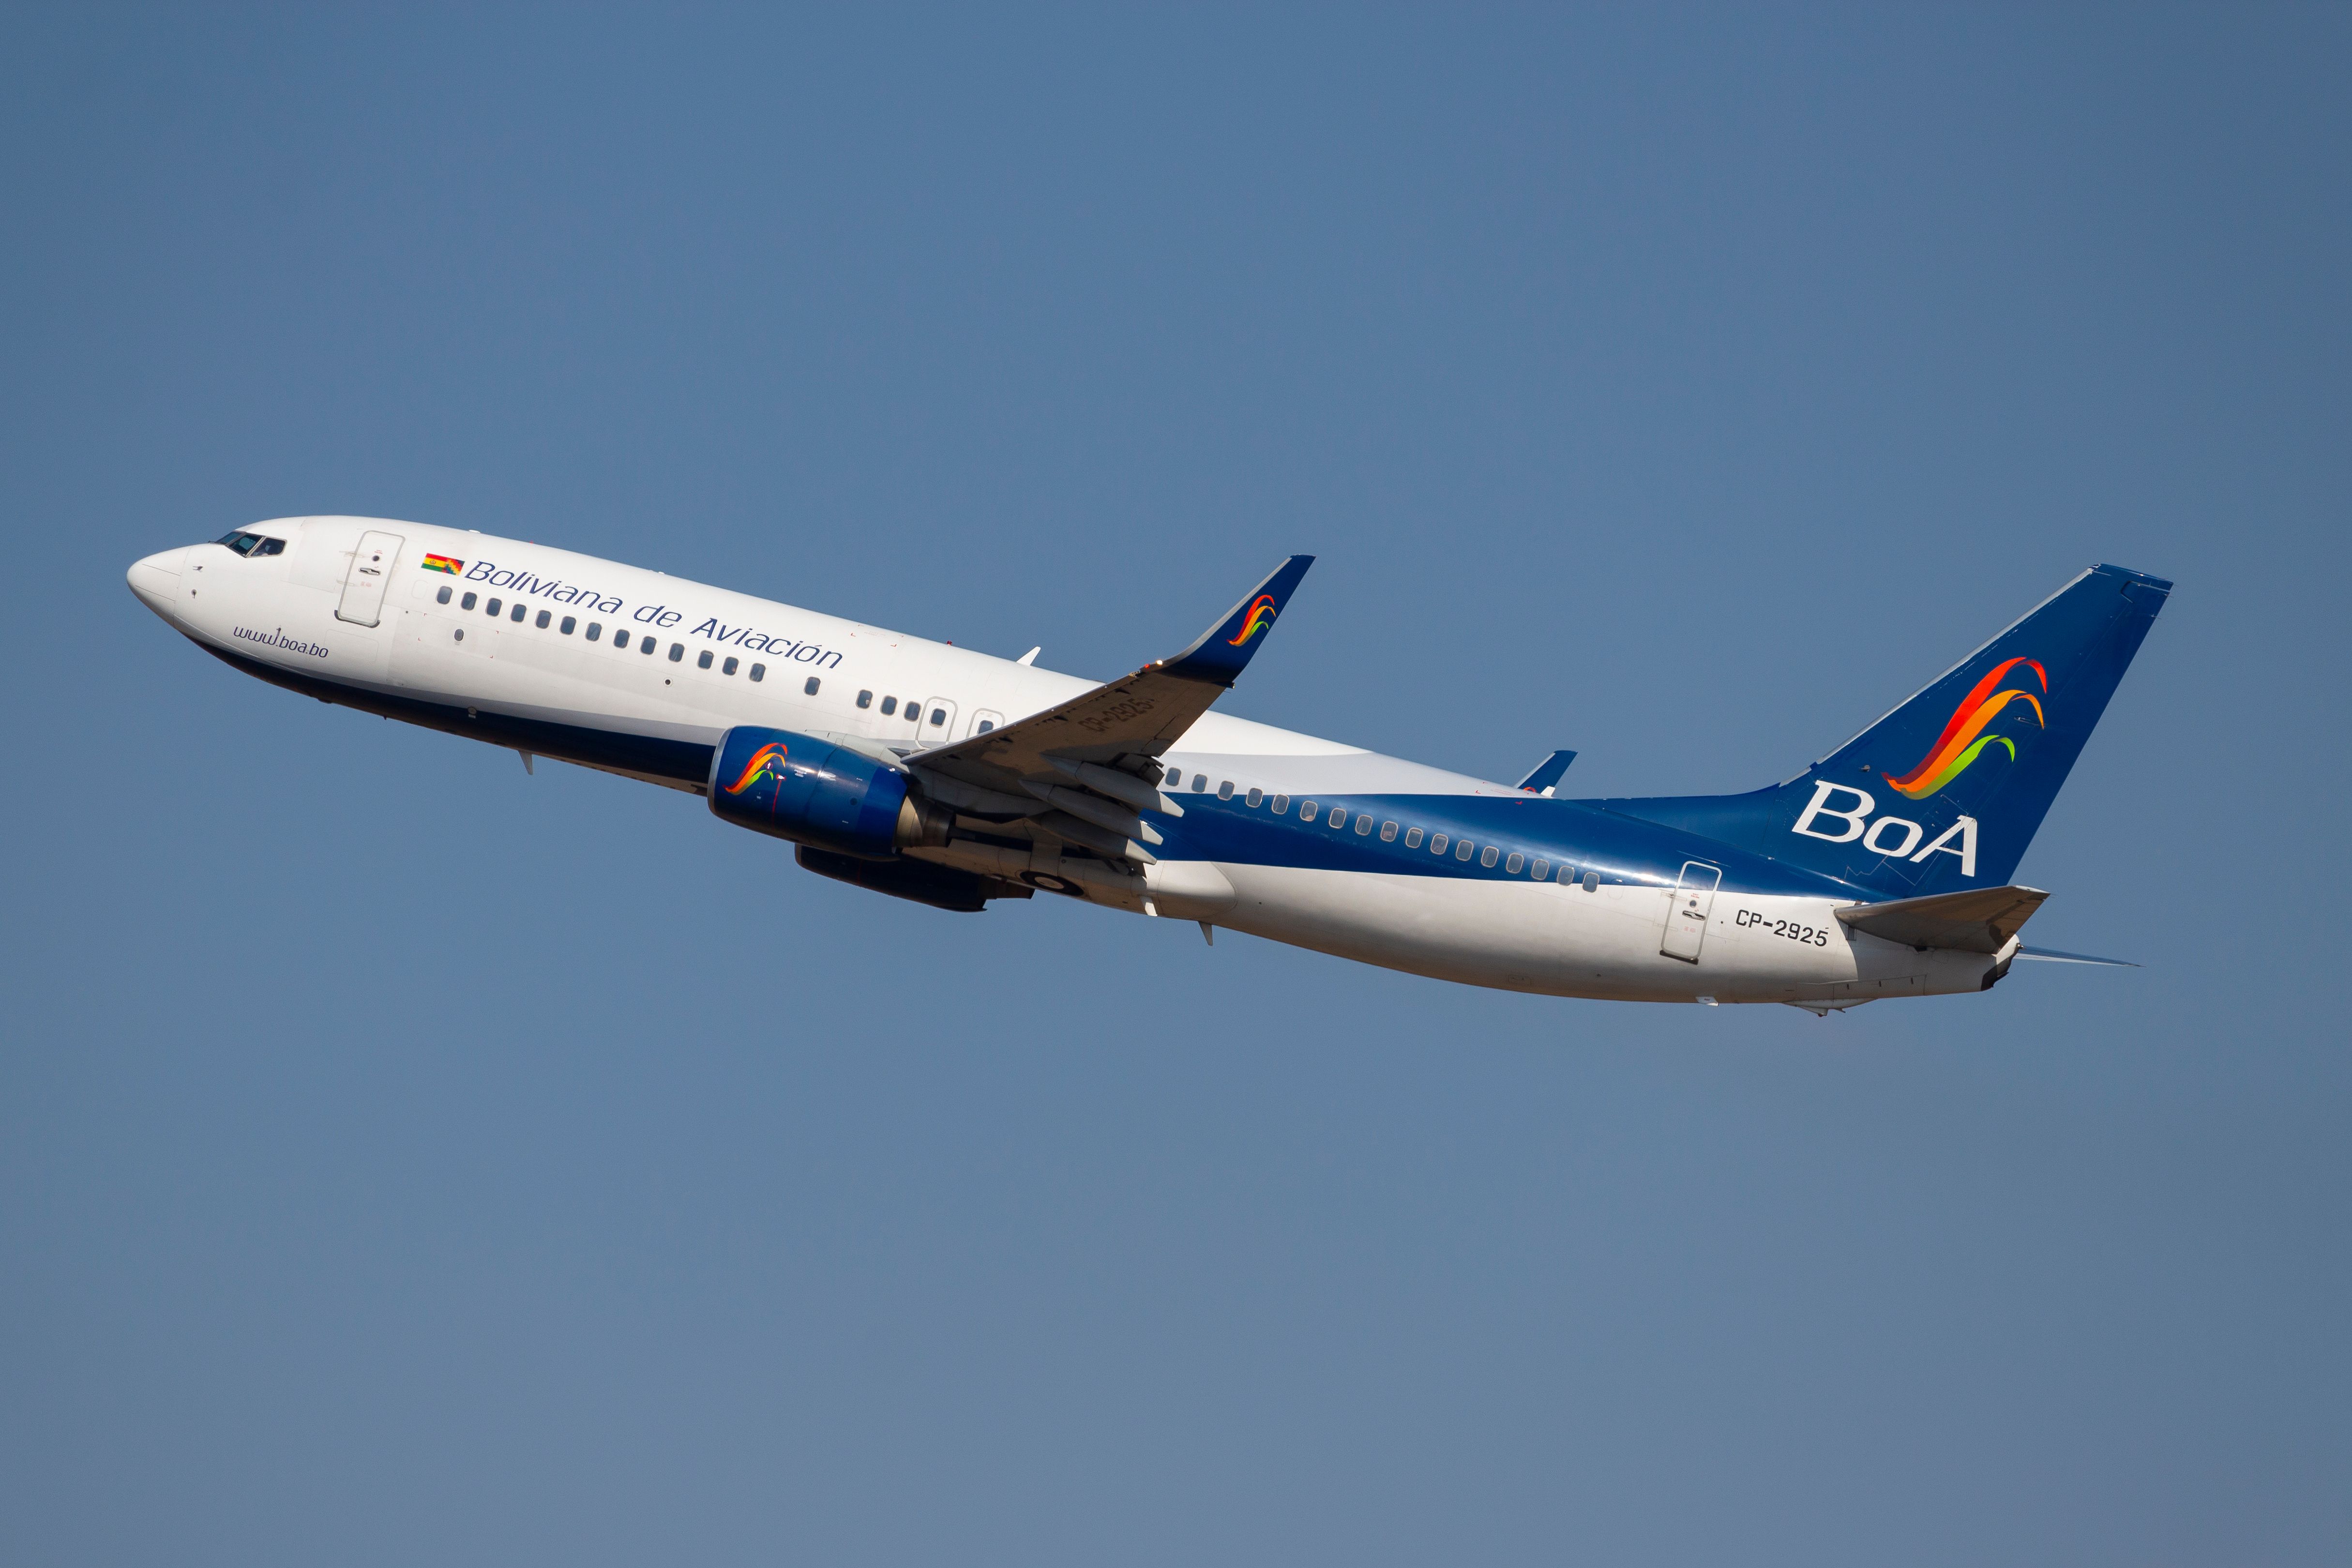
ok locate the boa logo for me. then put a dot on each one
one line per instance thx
(1964, 739)
(1259, 617)
(1893, 836)
(1956, 749)
(767, 762)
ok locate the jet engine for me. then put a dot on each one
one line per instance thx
(815, 792)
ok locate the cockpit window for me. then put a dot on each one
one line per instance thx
(245, 544)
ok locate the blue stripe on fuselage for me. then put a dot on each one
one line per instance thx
(1620, 849)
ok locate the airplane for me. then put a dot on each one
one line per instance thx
(953, 778)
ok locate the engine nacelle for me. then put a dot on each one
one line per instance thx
(812, 792)
(941, 887)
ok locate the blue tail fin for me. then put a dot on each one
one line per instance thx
(1946, 792)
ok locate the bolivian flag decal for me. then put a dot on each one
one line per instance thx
(444, 563)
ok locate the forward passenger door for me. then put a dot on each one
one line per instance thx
(368, 576)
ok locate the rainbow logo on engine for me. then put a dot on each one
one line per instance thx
(1964, 739)
(1259, 617)
(767, 762)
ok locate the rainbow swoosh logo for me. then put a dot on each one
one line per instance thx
(1964, 739)
(767, 762)
(1260, 616)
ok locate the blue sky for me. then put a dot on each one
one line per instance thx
(405, 1159)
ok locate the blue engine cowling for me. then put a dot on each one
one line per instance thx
(810, 791)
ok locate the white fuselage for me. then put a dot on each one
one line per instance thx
(719, 659)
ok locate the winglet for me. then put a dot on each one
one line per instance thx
(1218, 655)
(1547, 776)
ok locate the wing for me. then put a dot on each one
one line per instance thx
(1085, 771)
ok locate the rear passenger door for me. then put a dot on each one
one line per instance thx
(1694, 900)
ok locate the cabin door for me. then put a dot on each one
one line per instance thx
(371, 572)
(1694, 902)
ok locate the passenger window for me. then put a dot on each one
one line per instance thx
(1412, 837)
(677, 652)
(759, 672)
(1175, 777)
(494, 606)
(865, 698)
(1593, 881)
(1281, 805)
(1437, 844)
(1388, 832)
(621, 641)
(1461, 847)
(1567, 872)
(1542, 869)
(810, 689)
(1514, 862)
(568, 623)
(702, 659)
(466, 603)
(544, 617)
(1486, 856)
(1363, 823)
(1225, 790)
(889, 705)
(645, 645)
(1338, 819)
(520, 610)
(729, 667)
(596, 630)
(1255, 796)
(1306, 809)
(1200, 783)
(938, 715)
(443, 596)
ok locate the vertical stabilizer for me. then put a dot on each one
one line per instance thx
(1946, 792)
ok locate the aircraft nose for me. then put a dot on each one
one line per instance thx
(156, 580)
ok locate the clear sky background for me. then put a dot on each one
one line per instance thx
(406, 1159)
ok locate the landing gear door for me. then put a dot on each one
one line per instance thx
(1694, 902)
(371, 572)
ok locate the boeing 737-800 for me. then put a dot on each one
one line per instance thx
(949, 777)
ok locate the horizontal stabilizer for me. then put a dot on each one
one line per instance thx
(2051, 956)
(1548, 774)
(1981, 920)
